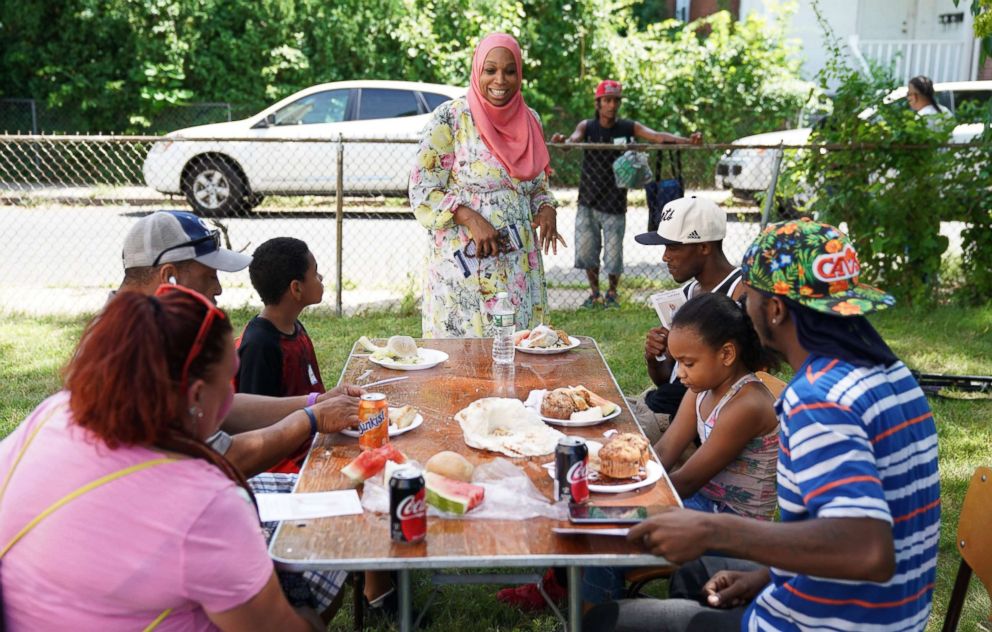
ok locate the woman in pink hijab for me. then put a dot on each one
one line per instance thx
(480, 188)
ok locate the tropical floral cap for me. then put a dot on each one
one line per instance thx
(813, 264)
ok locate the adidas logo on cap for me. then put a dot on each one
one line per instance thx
(692, 235)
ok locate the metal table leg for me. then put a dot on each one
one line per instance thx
(406, 601)
(574, 599)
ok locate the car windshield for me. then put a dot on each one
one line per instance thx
(322, 107)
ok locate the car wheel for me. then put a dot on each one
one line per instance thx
(215, 189)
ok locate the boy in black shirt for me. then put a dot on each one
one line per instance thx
(601, 219)
(277, 355)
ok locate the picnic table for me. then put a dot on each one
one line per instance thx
(362, 542)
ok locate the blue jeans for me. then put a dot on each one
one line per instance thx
(601, 584)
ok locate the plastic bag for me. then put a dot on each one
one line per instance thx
(510, 495)
(631, 170)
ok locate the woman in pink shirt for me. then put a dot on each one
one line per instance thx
(114, 515)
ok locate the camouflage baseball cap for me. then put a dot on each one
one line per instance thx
(813, 264)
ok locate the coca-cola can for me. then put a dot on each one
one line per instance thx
(571, 477)
(407, 506)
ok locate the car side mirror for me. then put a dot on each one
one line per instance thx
(270, 120)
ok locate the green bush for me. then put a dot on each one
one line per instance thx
(116, 66)
(892, 181)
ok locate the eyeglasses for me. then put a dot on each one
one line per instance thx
(201, 246)
(212, 313)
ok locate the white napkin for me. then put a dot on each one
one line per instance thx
(272, 507)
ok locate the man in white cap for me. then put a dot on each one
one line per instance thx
(177, 247)
(692, 230)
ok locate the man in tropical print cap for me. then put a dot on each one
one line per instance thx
(859, 492)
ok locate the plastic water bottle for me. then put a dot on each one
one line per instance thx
(503, 318)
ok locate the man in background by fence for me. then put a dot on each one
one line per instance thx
(600, 222)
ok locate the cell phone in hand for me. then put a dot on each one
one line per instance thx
(594, 514)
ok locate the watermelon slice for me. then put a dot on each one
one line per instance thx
(370, 462)
(452, 496)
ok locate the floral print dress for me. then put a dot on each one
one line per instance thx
(455, 168)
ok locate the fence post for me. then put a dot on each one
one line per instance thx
(34, 117)
(770, 194)
(339, 217)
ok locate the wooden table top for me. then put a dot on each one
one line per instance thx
(353, 542)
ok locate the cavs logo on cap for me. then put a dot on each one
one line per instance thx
(837, 266)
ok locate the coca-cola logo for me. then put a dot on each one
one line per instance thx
(577, 472)
(411, 507)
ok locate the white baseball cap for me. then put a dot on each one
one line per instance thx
(172, 236)
(688, 220)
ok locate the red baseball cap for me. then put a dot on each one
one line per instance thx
(608, 87)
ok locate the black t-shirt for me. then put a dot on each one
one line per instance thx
(275, 364)
(597, 187)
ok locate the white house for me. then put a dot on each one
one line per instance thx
(916, 37)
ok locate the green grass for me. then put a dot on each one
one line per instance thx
(942, 340)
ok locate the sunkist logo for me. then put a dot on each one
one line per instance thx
(837, 266)
(372, 421)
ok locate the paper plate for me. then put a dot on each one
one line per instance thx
(393, 430)
(428, 358)
(568, 423)
(654, 474)
(549, 351)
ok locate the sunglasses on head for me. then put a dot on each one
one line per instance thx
(201, 335)
(201, 246)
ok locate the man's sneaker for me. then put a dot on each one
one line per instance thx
(594, 300)
(611, 300)
(528, 598)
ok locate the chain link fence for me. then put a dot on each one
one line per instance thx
(68, 201)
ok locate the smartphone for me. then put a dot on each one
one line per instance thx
(592, 514)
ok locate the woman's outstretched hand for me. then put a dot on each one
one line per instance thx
(546, 224)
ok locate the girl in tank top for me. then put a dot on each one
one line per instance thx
(727, 407)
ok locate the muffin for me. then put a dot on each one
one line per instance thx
(557, 404)
(637, 442)
(619, 459)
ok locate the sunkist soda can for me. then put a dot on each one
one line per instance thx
(373, 421)
(571, 477)
(407, 506)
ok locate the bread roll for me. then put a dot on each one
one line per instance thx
(451, 465)
(557, 404)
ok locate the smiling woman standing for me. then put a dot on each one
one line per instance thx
(480, 188)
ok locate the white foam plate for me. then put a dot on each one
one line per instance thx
(393, 430)
(549, 351)
(568, 423)
(428, 358)
(654, 474)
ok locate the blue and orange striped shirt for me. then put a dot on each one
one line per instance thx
(856, 442)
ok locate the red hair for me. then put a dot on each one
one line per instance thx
(123, 380)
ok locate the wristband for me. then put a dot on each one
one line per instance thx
(313, 420)
(312, 398)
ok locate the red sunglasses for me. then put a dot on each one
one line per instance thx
(212, 313)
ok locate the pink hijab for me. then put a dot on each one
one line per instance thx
(511, 132)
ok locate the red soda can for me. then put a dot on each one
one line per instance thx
(571, 474)
(407, 506)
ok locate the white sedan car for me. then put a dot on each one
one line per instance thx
(748, 170)
(289, 148)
